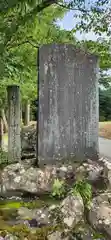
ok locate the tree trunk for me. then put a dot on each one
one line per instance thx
(4, 121)
(27, 113)
(1, 132)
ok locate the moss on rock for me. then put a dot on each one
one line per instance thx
(8, 214)
(43, 201)
(22, 231)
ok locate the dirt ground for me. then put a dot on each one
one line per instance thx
(105, 129)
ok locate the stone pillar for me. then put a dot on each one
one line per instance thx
(68, 104)
(14, 140)
(1, 130)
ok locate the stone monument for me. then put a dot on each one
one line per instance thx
(68, 104)
(14, 140)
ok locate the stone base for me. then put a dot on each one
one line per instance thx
(22, 178)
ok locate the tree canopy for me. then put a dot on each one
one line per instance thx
(27, 24)
(18, 50)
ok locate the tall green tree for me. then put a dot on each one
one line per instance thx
(26, 24)
(105, 104)
(19, 57)
(15, 14)
(101, 48)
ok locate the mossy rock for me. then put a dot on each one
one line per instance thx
(10, 205)
(22, 231)
(15, 205)
(9, 210)
(34, 204)
(45, 201)
(8, 214)
(83, 229)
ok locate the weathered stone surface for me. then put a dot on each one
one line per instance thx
(90, 170)
(86, 233)
(38, 180)
(28, 138)
(107, 170)
(57, 236)
(68, 110)
(70, 212)
(35, 180)
(72, 209)
(9, 237)
(100, 213)
(41, 216)
(14, 143)
(25, 213)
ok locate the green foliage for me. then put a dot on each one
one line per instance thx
(101, 48)
(27, 24)
(80, 187)
(105, 104)
(84, 189)
(96, 17)
(58, 189)
(104, 79)
(22, 31)
(97, 236)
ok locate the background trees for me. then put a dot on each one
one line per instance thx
(27, 24)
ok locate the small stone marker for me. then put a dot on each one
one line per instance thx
(14, 140)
